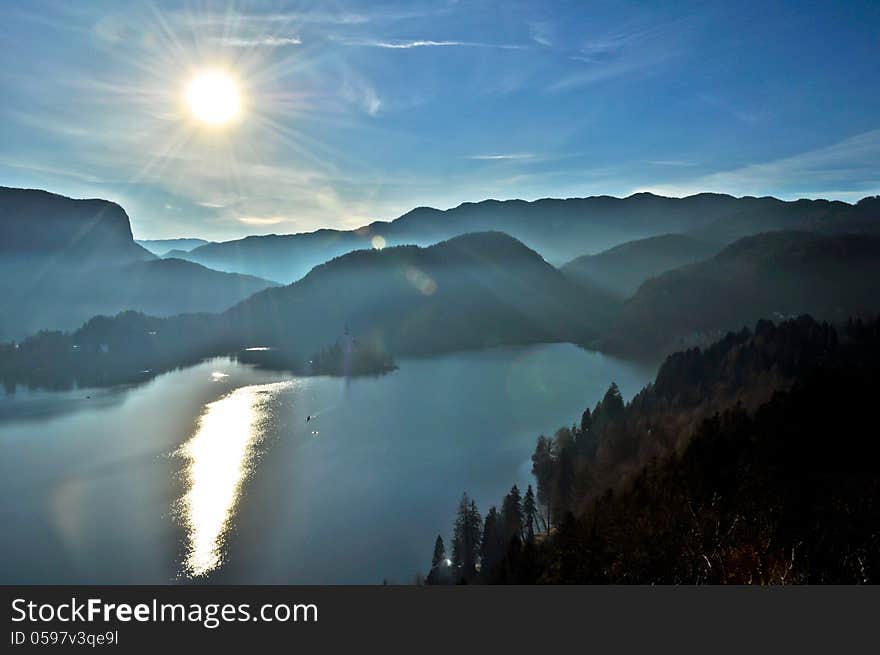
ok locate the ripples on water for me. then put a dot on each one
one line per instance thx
(219, 457)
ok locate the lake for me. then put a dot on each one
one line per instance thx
(214, 474)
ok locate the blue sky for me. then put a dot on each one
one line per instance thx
(357, 111)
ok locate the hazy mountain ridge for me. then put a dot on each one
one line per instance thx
(285, 258)
(622, 269)
(479, 289)
(65, 298)
(474, 291)
(164, 247)
(773, 275)
(63, 261)
(560, 229)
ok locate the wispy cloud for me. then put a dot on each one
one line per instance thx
(747, 116)
(261, 220)
(542, 33)
(428, 43)
(625, 51)
(848, 166)
(360, 92)
(678, 163)
(56, 171)
(317, 17)
(251, 20)
(515, 155)
(260, 41)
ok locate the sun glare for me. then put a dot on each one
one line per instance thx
(213, 98)
(219, 458)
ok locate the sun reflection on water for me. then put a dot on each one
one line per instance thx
(219, 457)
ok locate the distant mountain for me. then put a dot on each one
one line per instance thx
(285, 258)
(621, 269)
(162, 247)
(63, 299)
(63, 261)
(473, 291)
(773, 275)
(771, 214)
(559, 229)
(39, 223)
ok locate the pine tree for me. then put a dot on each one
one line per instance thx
(586, 421)
(439, 552)
(612, 403)
(466, 537)
(512, 515)
(491, 550)
(543, 470)
(530, 514)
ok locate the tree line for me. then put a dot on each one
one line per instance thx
(774, 477)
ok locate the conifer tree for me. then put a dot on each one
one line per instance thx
(530, 514)
(491, 550)
(512, 515)
(543, 470)
(466, 536)
(439, 552)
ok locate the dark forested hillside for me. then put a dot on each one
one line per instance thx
(752, 462)
(622, 269)
(773, 275)
(125, 348)
(474, 291)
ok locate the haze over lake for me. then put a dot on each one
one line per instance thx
(213, 473)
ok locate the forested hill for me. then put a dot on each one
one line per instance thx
(753, 461)
(773, 275)
(474, 291)
(622, 269)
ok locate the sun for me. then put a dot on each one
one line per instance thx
(213, 98)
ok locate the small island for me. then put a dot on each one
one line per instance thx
(350, 357)
(347, 357)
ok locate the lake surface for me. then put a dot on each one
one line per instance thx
(213, 474)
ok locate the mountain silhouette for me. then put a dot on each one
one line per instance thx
(39, 223)
(473, 291)
(774, 275)
(63, 261)
(163, 247)
(621, 269)
(560, 229)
